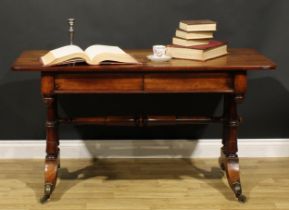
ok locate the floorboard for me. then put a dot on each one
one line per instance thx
(145, 184)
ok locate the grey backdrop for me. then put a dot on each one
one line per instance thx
(41, 24)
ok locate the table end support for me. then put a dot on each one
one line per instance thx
(52, 160)
(229, 160)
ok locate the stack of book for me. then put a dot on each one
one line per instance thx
(194, 40)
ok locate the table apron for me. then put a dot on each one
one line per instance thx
(68, 83)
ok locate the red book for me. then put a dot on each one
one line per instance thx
(198, 52)
(211, 44)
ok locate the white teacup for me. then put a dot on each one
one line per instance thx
(159, 50)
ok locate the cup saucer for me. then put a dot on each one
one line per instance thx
(159, 59)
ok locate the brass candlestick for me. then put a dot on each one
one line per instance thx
(71, 22)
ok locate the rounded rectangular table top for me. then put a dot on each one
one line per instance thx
(237, 59)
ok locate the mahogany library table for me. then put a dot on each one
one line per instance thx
(225, 75)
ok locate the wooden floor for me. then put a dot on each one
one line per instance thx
(145, 184)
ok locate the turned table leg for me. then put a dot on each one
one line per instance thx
(229, 160)
(52, 141)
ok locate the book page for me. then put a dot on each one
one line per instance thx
(65, 51)
(63, 54)
(96, 50)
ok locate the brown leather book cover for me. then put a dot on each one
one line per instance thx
(195, 32)
(197, 22)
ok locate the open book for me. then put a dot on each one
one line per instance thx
(93, 55)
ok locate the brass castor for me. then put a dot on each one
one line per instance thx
(238, 192)
(48, 188)
(242, 199)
